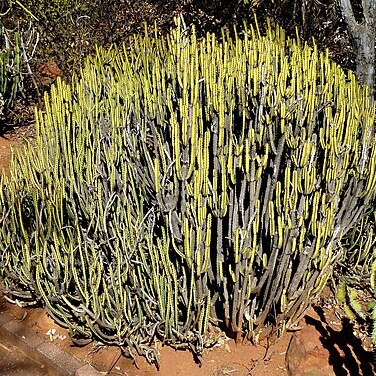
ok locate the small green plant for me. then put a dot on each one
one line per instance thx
(347, 296)
(356, 291)
(13, 60)
(10, 68)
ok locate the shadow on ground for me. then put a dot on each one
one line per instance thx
(347, 355)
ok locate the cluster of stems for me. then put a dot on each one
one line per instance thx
(183, 183)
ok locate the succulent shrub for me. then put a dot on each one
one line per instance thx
(179, 183)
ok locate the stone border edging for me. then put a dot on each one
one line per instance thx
(56, 360)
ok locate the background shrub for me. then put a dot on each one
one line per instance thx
(10, 68)
(18, 46)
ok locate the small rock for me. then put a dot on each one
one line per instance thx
(48, 72)
(306, 355)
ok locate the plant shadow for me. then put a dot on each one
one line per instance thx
(347, 355)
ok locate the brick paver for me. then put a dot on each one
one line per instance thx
(25, 353)
(14, 362)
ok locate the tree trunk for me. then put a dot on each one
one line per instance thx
(363, 34)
